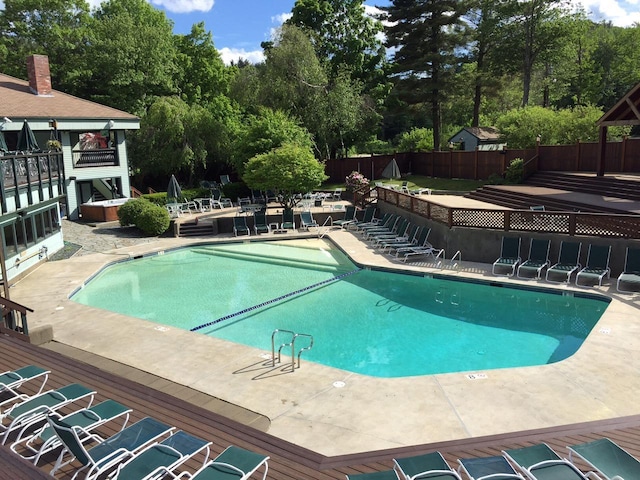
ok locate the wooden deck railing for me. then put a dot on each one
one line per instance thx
(562, 223)
(14, 318)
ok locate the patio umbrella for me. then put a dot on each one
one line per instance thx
(26, 139)
(173, 190)
(391, 170)
(3, 143)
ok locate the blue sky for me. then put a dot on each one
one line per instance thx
(239, 26)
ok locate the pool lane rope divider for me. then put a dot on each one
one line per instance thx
(278, 299)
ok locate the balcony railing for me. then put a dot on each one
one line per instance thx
(104, 157)
(26, 168)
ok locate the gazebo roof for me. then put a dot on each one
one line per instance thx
(625, 112)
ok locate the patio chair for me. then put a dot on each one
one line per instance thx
(306, 221)
(420, 241)
(218, 201)
(400, 233)
(430, 465)
(375, 222)
(33, 410)
(260, 222)
(44, 439)
(426, 249)
(240, 226)
(105, 453)
(337, 194)
(538, 259)
(631, 273)
(509, 256)
(257, 196)
(488, 468)
(13, 379)
(384, 475)
(568, 262)
(540, 462)
(387, 226)
(597, 266)
(349, 217)
(224, 180)
(234, 463)
(406, 240)
(367, 217)
(288, 220)
(271, 196)
(161, 459)
(608, 459)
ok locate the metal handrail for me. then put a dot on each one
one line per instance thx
(273, 346)
(303, 349)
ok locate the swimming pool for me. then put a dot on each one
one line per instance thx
(370, 322)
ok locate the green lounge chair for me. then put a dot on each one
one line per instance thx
(399, 231)
(33, 410)
(348, 219)
(509, 258)
(106, 453)
(375, 222)
(44, 439)
(631, 273)
(431, 465)
(367, 218)
(488, 468)
(260, 222)
(608, 459)
(388, 226)
(307, 221)
(234, 463)
(161, 459)
(288, 220)
(12, 379)
(240, 226)
(420, 241)
(568, 262)
(411, 234)
(540, 462)
(538, 259)
(384, 475)
(597, 266)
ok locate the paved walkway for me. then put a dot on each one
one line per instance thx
(327, 410)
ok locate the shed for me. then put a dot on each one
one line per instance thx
(482, 138)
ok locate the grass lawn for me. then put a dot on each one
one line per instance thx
(419, 181)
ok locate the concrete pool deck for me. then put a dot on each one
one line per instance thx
(334, 412)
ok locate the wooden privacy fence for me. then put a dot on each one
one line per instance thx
(562, 223)
(622, 157)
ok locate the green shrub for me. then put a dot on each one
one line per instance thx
(236, 190)
(515, 171)
(128, 212)
(153, 220)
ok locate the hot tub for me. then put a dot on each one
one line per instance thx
(103, 211)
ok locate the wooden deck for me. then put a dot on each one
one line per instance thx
(288, 461)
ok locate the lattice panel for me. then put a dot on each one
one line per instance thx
(493, 219)
(608, 226)
(537, 222)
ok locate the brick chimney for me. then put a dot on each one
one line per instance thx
(39, 74)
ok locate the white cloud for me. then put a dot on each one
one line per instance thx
(281, 18)
(235, 54)
(185, 6)
(619, 13)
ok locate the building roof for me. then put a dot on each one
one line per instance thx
(19, 102)
(484, 134)
(625, 112)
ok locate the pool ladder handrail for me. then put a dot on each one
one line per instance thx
(291, 344)
(324, 229)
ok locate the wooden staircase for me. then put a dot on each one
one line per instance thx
(191, 228)
(591, 190)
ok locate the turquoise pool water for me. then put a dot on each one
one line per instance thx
(370, 322)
